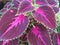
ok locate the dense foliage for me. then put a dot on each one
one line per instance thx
(33, 21)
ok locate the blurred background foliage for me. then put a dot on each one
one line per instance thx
(58, 22)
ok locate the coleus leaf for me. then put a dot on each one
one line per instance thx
(12, 25)
(23, 37)
(25, 7)
(41, 2)
(46, 16)
(7, 5)
(55, 38)
(39, 36)
(9, 42)
(56, 9)
(16, 3)
(52, 2)
(2, 11)
(46, 2)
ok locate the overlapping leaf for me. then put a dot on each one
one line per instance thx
(12, 42)
(39, 36)
(46, 2)
(25, 7)
(12, 26)
(7, 5)
(9, 42)
(2, 11)
(52, 2)
(55, 38)
(56, 9)
(16, 3)
(41, 2)
(45, 15)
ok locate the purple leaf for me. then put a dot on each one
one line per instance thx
(55, 38)
(41, 2)
(56, 9)
(11, 25)
(9, 42)
(46, 16)
(2, 11)
(52, 2)
(7, 5)
(25, 7)
(39, 36)
(12, 42)
(16, 3)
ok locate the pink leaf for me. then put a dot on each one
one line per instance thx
(55, 38)
(56, 9)
(39, 36)
(12, 26)
(41, 2)
(2, 11)
(52, 2)
(9, 42)
(46, 16)
(46, 2)
(25, 7)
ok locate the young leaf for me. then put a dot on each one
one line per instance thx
(25, 7)
(15, 3)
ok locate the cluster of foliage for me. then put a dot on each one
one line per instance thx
(31, 20)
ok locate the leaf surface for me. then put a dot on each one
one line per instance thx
(39, 36)
(46, 16)
(12, 26)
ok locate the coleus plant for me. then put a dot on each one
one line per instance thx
(35, 18)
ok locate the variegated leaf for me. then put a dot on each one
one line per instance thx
(39, 36)
(9, 42)
(25, 7)
(46, 2)
(41, 2)
(46, 16)
(55, 38)
(12, 26)
(56, 9)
